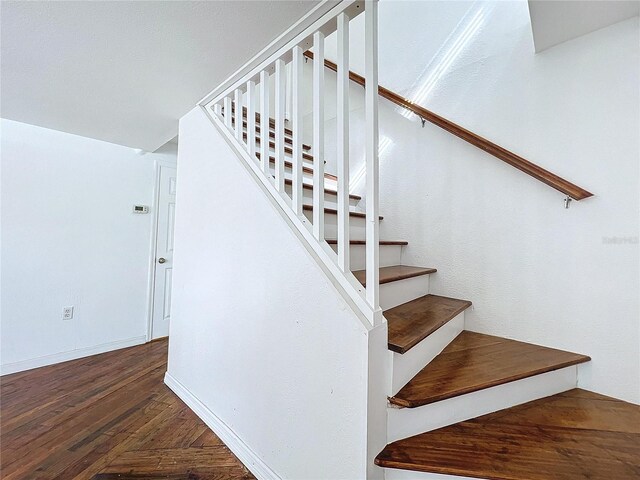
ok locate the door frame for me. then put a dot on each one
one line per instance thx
(154, 241)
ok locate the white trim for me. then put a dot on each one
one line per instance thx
(31, 363)
(240, 449)
(153, 241)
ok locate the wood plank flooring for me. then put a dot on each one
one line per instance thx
(104, 417)
(474, 361)
(576, 435)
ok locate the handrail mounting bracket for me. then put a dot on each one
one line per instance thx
(567, 201)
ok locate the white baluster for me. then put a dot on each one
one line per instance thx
(371, 152)
(296, 127)
(227, 112)
(264, 121)
(280, 93)
(251, 118)
(237, 100)
(318, 136)
(217, 109)
(343, 141)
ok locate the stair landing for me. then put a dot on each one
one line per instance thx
(575, 435)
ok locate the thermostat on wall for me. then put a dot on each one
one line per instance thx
(140, 209)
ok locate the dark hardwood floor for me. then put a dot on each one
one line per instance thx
(105, 417)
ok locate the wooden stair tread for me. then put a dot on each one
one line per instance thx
(394, 273)
(474, 361)
(333, 211)
(412, 322)
(272, 122)
(287, 150)
(575, 435)
(288, 181)
(272, 134)
(305, 168)
(333, 241)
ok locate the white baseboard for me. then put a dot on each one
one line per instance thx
(31, 363)
(240, 449)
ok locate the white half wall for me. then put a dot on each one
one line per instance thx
(69, 238)
(270, 354)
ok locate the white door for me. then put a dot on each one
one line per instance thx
(164, 252)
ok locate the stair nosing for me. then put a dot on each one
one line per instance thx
(415, 403)
(333, 211)
(446, 319)
(532, 426)
(288, 150)
(424, 271)
(305, 168)
(307, 186)
(333, 241)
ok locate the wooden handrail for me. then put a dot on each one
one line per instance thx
(497, 151)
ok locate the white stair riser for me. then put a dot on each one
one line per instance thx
(356, 225)
(306, 175)
(397, 474)
(407, 365)
(330, 199)
(393, 294)
(407, 422)
(389, 255)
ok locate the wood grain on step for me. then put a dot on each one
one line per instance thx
(412, 322)
(575, 435)
(394, 273)
(474, 361)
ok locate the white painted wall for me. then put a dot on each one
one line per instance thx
(69, 237)
(259, 336)
(534, 271)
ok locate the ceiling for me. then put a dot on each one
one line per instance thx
(554, 22)
(125, 72)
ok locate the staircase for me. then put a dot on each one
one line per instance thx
(460, 402)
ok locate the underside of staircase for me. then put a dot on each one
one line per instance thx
(474, 405)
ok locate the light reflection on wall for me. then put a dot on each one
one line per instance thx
(383, 145)
(451, 49)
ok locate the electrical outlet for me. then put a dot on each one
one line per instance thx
(67, 313)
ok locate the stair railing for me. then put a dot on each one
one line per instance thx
(242, 107)
(572, 191)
